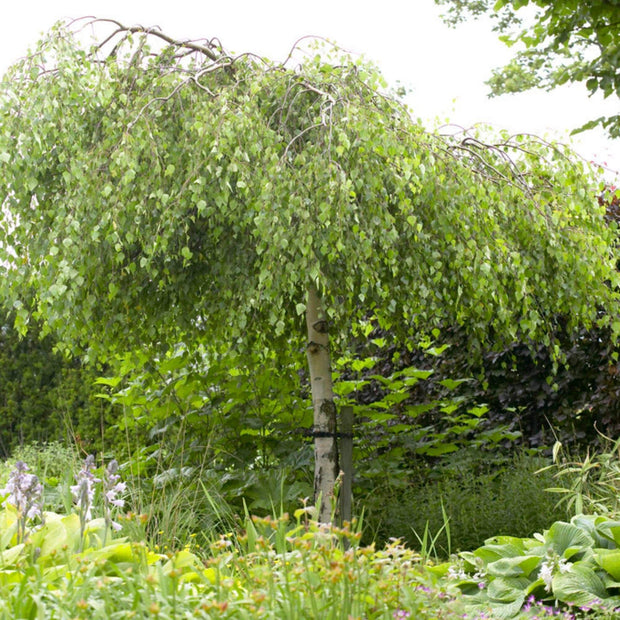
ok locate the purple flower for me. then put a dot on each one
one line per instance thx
(84, 491)
(112, 488)
(24, 492)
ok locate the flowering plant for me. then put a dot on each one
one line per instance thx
(576, 563)
(113, 488)
(83, 492)
(25, 495)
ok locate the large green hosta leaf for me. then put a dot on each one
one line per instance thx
(59, 535)
(494, 550)
(604, 532)
(567, 540)
(609, 529)
(518, 566)
(609, 560)
(8, 557)
(580, 585)
(507, 595)
(8, 526)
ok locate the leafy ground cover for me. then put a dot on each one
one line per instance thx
(93, 563)
(74, 565)
(576, 563)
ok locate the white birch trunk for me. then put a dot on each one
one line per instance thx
(325, 441)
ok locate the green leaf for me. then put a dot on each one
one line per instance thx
(10, 556)
(507, 589)
(439, 449)
(514, 566)
(500, 547)
(580, 586)
(609, 560)
(111, 381)
(8, 527)
(451, 384)
(608, 528)
(567, 539)
(416, 372)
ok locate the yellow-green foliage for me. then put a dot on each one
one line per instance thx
(274, 570)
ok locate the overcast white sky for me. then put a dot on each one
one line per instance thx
(445, 68)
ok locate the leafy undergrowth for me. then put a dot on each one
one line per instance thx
(273, 570)
(576, 565)
(77, 566)
(481, 493)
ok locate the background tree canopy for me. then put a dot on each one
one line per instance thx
(561, 41)
(158, 191)
(45, 397)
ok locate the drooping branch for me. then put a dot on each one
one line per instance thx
(494, 162)
(213, 50)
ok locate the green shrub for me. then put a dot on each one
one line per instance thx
(481, 497)
(45, 397)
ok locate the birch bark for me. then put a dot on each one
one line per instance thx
(325, 426)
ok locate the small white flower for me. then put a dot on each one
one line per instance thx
(455, 573)
(119, 503)
(546, 574)
(553, 564)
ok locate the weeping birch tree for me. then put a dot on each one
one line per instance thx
(157, 191)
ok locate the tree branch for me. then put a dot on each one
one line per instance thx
(207, 50)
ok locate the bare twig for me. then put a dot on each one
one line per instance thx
(207, 50)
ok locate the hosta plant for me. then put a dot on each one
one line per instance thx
(58, 543)
(572, 565)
